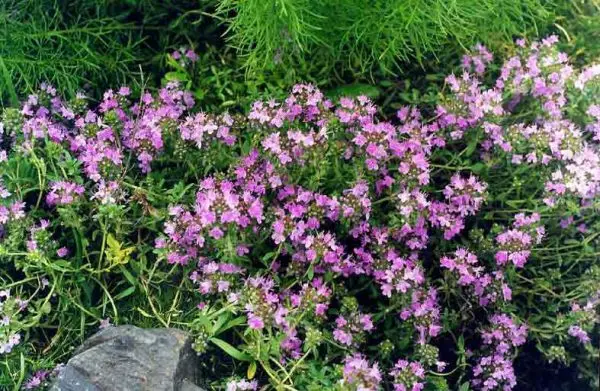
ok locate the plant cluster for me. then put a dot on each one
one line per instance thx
(364, 36)
(309, 244)
(90, 44)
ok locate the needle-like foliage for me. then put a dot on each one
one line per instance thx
(39, 42)
(363, 35)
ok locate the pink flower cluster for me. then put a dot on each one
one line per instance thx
(305, 104)
(38, 237)
(515, 244)
(350, 329)
(216, 277)
(542, 74)
(360, 375)
(477, 61)
(101, 137)
(494, 369)
(184, 56)
(142, 132)
(487, 287)
(468, 105)
(408, 376)
(424, 310)
(11, 308)
(585, 316)
(203, 127)
(242, 385)
(293, 146)
(15, 211)
(37, 379)
(220, 206)
(463, 197)
(64, 193)
(9, 210)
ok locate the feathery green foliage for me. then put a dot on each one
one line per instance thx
(40, 43)
(99, 43)
(363, 35)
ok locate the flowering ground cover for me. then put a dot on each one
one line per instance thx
(309, 243)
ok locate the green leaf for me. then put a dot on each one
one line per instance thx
(46, 308)
(61, 265)
(144, 313)
(310, 272)
(204, 321)
(436, 383)
(268, 256)
(472, 146)
(230, 350)
(220, 322)
(464, 387)
(353, 90)
(233, 323)
(251, 370)
(128, 275)
(477, 168)
(176, 76)
(125, 293)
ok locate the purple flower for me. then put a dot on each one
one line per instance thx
(359, 374)
(36, 380)
(105, 323)
(579, 333)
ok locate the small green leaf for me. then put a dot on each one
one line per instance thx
(128, 275)
(233, 352)
(310, 272)
(176, 76)
(46, 308)
(435, 383)
(233, 323)
(204, 321)
(471, 147)
(251, 370)
(144, 313)
(477, 168)
(125, 293)
(220, 322)
(268, 256)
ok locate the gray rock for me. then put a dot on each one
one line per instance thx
(127, 358)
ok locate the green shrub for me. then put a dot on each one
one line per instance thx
(89, 43)
(40, 43)
(365, 35)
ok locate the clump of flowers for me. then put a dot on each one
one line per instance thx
(64, 193)
(488, 287)
(360, 375)
(37, 380)
(216, 277)
(408, 376)
(202, 128)
(350, 329)
(11, 311)
(494, 368)
(584, 316)
(515, 244)
(242, 385)
(298, 236)
(184, 56)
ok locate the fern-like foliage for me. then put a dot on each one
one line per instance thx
(363, 35)
(40, 42)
